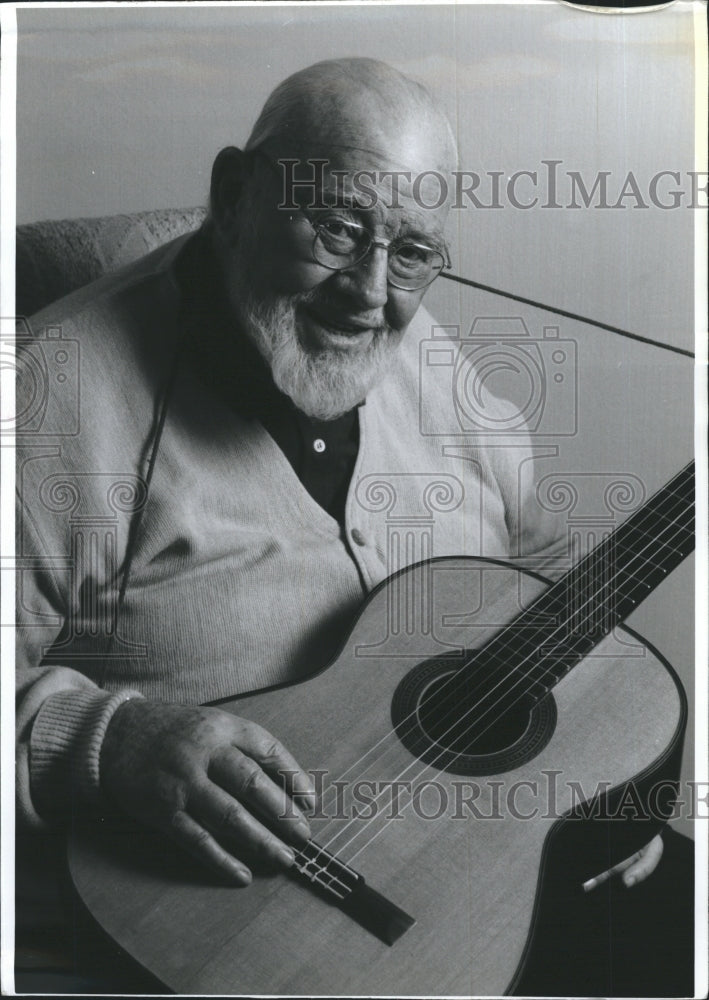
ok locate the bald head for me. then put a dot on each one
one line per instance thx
(361, 106)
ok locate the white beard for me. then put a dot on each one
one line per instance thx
(323, 384)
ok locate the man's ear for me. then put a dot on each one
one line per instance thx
(229, 174)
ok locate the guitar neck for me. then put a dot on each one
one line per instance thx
(568, 620)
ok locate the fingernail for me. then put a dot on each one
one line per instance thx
(286, 855)
(242, 875)
(591, 884)
(629, 881)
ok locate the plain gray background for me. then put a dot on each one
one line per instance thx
(123, 110)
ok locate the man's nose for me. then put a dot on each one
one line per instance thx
(369, 279)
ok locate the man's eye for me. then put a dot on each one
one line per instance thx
(339, 236)
(412, 254)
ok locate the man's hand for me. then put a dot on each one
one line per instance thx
(204, 777)
(635, 868)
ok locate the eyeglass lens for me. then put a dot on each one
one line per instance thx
(339, 244)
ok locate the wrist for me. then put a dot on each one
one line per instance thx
(66, 742)
(117, 733)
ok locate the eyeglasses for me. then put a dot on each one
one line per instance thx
(341, 243)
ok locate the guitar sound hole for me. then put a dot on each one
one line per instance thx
(447, 720)
(446, 714)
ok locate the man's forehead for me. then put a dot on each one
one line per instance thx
(415, 145)
(407, 169)
(364, 181)
(369, 148)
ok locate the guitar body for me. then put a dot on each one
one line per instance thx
(473, 876)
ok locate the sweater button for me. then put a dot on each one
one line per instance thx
(358, 537)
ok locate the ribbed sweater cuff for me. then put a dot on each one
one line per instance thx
(65, 746)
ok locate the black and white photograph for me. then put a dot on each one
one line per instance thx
(354, 377)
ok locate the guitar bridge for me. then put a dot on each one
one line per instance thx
(347, 889)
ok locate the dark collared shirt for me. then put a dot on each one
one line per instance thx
(322, 453)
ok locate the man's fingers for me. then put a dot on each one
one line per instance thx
(645, 864)
(244, 780)
(227, 818)
(635, 868)
(273, 757)
(198, 842)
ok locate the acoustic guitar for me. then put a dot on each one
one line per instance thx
(480, 730)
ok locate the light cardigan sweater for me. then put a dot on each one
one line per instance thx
(237, 578)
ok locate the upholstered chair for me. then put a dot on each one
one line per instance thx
(57, 257)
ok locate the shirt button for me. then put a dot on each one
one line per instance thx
(319, 445)
(358, 537)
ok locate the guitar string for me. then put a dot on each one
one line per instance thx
(546, 595)
(405, 807)
(663, 496)
(673, 525)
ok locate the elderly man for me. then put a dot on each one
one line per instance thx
(238, 384)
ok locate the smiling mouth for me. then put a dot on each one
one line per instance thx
(326, 332)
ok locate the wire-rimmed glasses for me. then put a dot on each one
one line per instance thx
(342, 243)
